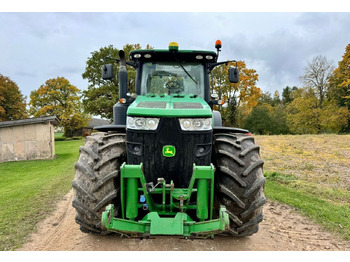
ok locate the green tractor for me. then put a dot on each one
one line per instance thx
(167, 166)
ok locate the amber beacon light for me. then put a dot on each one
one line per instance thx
(218, 44)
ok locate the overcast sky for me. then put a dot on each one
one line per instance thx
(35, 47)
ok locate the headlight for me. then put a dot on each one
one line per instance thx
(142, 123)
(195, 124)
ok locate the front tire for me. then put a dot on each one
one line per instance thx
(97, 179)
(239, 181)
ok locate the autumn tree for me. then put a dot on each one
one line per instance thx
(317, 74)
(339, 90)
(303, 112)
(12, 102)
(333, 118)
(58, 97)
(243, 95)
(101, 95)
(340, 81)
(304, 116)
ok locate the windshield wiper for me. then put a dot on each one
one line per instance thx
(184, 68)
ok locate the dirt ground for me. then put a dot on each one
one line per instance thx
(283, 229)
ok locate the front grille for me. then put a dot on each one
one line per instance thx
(147, 147)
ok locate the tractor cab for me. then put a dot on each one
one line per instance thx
(167, 72)
(173, 71)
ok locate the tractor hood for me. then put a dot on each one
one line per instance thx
(177, 105)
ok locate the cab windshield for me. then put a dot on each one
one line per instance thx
(172, 78)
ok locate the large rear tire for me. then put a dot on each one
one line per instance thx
(239, 181)
(97, 179)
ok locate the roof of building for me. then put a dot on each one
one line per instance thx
(29, 121)
(98, 122)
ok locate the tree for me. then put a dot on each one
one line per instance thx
(333, 118)
(287, 94)
(265, 98)
(303, 112)
(12, 102)
(304, 116)
(340, 81)
(317, 74)
(266, 119)
(101, 95)
(58, 97)
(259, 120)
(276, 98)
(279, 120)
(243, 93)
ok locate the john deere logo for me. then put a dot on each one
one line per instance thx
(169, 151)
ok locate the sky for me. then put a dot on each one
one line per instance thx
(276, 42)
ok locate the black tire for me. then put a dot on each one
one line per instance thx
(97, 179)
(239, 181)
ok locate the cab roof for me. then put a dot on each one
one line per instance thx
(165, 55)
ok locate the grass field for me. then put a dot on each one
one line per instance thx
(58, 135)
(29, 189)
(311, 173)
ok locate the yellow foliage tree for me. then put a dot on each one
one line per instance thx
(340, 80)
(304, 116)
(243, 95)
(58, 97)
(333, 118)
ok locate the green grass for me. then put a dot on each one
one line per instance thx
(59, 134)
(328, 207)
(59, 137)
(29, 190)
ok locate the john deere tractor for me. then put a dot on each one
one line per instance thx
(167, 166)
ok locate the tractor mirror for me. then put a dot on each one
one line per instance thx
(233, 74)
(107, 72)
